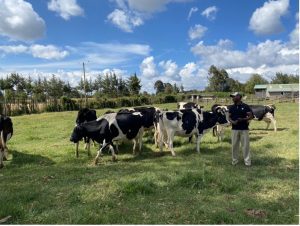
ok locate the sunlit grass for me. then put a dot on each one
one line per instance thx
(43, 181)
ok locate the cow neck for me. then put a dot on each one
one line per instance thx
(209, 120)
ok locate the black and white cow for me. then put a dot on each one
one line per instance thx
(149, 118)
(85, 115)
(6, 130)
(264, 113)
(111, 128)
(260, 112)
(187, 105)
(189, 122)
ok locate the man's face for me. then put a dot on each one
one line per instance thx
(236, 98)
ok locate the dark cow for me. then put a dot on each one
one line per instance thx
(6, 130)
(85, 115)
(187, 123)
(111, 128)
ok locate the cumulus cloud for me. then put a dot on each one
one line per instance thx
(65, 8)
(210, 12)
(19, 21)
(148, 67)
(132, 13)
(269, 52)
(170, 69)
(266, 20)
(48, 52)
(197, 31)
(294, 35)
(192, 10)
(125, 20)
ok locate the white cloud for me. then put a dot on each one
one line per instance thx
(197, 31)
(269, 52)
(294, 35)
(19, 21)
(65, 8)
(148, 67)
(192, 10)
(266, 20)
(125, 20)
(132, 13)
(210, 12)
(170, 69)
(48, 52)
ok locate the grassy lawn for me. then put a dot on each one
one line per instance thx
(43, 182)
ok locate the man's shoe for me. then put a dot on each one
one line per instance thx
(234, 162)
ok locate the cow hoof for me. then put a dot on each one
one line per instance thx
(114, 159)
(96, 161)
(4, 158)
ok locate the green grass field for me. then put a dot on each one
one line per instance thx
(43, 182)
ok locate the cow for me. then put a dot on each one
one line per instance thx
(187, 105)
(260, 113)
(219, 130)
(85, 115)
(189, 122)
(149, 118)
(6, 130)
(264, 113)
(111, 128)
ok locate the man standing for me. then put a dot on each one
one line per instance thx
(240, 114)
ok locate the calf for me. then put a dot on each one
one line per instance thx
(6, 130)
(85, 115)
(110, 128)
(187, 123)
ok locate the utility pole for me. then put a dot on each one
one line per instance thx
(84, 86)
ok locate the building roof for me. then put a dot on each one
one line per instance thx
(260, 86)
(294, 87)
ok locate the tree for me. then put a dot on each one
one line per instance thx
(168, 88)
(281, 78)
(217, 79)
(254, 80)
(134, 85)
(159, 86)
(181, 88)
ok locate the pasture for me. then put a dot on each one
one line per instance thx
(44, 183)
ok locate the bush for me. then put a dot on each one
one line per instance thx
(68, 104)
(170, 99)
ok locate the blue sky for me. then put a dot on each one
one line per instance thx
(172, 40)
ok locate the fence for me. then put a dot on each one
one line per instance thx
(29, 106)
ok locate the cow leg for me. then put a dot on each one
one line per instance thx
(274, 124)
(198, 143)
(268, 125)
(89, 147)
(191, 139)
(76, 149)
(100, 151)
(140, 138)
(170, 142)
(1, 157)
(113, 155)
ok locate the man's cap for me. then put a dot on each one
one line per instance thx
(236, 94)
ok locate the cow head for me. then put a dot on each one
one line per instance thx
(222, 114)
(77, 134)
(271, 108)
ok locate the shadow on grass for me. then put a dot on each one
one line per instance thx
(20, 159)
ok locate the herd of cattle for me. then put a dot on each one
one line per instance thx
(130, 124)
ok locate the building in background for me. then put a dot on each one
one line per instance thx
(277, 90)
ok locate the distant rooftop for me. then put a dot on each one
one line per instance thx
(294, 87)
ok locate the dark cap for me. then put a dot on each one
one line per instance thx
(236, 94)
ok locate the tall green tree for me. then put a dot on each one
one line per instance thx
(159, 86)
(217, 79)
(134, 85)
(281, 78)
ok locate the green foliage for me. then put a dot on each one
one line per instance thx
(134, 85)
(254, 80)
(281, 78)
(143, 186)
